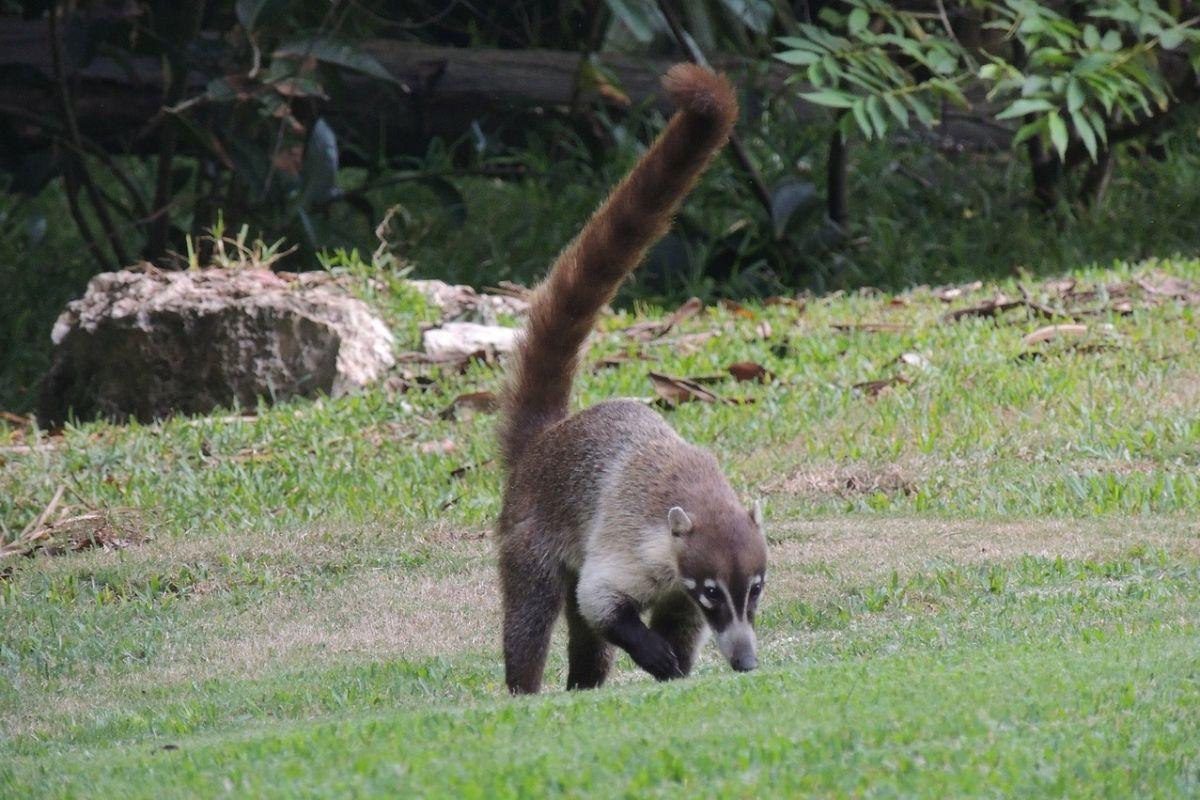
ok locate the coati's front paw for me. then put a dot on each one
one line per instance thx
(659, 659)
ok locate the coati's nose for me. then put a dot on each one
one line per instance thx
(744, 662)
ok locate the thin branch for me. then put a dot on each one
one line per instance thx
(1096, 181)
(735, 142)
(81, 223)
(68, 111)
(90, 148)
(156, 243)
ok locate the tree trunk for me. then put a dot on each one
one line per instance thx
(837, 199)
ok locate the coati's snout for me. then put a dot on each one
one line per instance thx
(737, 644)
(725, 581)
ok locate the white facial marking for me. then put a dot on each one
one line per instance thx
(709, 583)
(689, 583)
(704, 601)
(739, 633)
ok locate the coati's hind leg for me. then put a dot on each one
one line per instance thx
(589, 655)
(532, 592)
(677, 620)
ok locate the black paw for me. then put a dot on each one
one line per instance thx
(657, 658)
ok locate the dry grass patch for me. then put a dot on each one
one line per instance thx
(847, 481)
(403, 613)
(865, 548)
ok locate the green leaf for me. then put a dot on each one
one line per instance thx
(320, 167)
(829, 97)
(1111, 42)
(452, 199)
(1085, 133)
(859, 110)
(251, 12)
(858, 21)
(754, 14)
(923, 112)
(897, 108)
(1091, 36)
(799, 57)
(1098, 124)
(1075, 96)
(875, 112)
(801, 44)
(1058, 133)
(791, 202)
(1028, 130)
(642, 19)
(1026, 105)
(1171, 38)
(1032, 85)
(989, 72)
(333, 51)
(219, 90)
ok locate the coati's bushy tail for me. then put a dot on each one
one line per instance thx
(590, 270)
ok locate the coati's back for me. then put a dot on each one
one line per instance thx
(569, 467)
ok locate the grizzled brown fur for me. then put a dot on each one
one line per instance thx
(585, 518)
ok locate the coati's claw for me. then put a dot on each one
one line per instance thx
(660, 660)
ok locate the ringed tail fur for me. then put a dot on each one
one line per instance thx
(589, 271)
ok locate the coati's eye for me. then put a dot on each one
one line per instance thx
(755, 591)
(712, 592)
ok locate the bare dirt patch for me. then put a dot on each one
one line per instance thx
(374, 616)
(865, 548)
(847, 481)
(400, 613)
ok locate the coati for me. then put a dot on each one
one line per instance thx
(608, 511)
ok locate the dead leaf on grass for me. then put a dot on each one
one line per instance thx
(63, 528)
(988, 308)
(791, 302)
(869, 327)
(1169, 286)
(443, 446)
(876, 388)
(609, 362)
(655, 329)
(1061, 286)
(1055, 332)
(736, 308)
(949, 294)
(688, 342)
(466, 405)
(912, 360)
(749, 371)
(674, 391)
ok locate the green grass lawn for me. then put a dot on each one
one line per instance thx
(984, 580)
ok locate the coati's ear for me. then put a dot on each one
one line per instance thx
(756, 512)
(679, 521)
